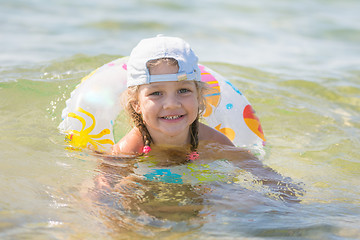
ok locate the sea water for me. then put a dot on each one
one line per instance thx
(296, 62)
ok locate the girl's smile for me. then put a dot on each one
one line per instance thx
(172, 117)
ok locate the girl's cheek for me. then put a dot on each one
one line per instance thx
(150, 104)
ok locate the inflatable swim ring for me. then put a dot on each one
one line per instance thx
(90, 112)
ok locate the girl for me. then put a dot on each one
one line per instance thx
(165, 98)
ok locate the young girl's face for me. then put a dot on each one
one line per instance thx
(168, 108)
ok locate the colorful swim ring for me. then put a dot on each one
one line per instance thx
(90, 112)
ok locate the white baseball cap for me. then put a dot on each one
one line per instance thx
(162, 47)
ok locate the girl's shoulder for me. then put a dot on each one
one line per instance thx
(207, 133)
(131, 143)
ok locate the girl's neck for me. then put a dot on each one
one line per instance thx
(177, 141)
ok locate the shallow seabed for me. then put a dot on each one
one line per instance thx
(296, 62)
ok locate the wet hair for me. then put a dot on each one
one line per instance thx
(130, 97)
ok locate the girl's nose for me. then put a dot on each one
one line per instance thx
(171, 102)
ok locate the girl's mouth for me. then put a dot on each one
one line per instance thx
(172, 117)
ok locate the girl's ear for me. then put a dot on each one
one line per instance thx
(136, 106)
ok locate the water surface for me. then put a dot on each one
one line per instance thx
(296, 62)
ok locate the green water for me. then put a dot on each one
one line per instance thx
(311, 131)
(296, 62)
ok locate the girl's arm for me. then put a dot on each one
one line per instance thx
(131, 144)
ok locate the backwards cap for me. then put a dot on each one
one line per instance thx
(162, 47)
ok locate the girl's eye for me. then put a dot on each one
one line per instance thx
(184, 90)
(155, 93)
